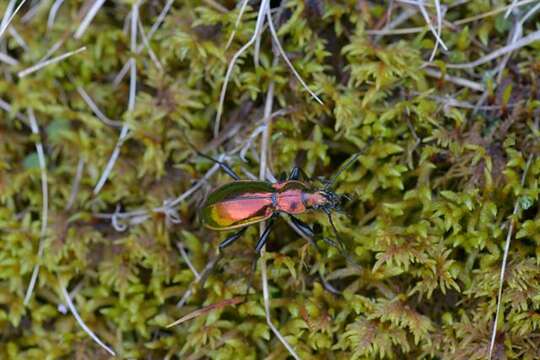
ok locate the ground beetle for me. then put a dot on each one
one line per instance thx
(241, 203)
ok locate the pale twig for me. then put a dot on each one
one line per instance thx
(436, 33)
(265, 5)
(510, 8)
(202, 278)
(151, 53)
(4, 105)
(76, 183)
(112, 160)
(57, 45)
(287, 61)
(419, 29)
(43, 64)
(95, 109)
(9, 15)
(18, 38)
(5, 58)
(45, 204)
(52, 13)
(400, 19)
(185, 256)
(120, 76)
(88, 18)
(237, 23)
(262, 175)
(158, 22)
(134, 217)
(80, 321)
(456, 80)
(505, 259)
(30, 14)
(131, 101)
(260, 18)
(216, 6)
(529, 39)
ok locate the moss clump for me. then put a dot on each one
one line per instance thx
(449, 173)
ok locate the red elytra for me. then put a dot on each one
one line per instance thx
(244, 202)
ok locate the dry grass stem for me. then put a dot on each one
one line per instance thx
(9, 15)
(185, 256)
(40, 65)
(258, 25)
(52, 13)
(287, 61)
(237, 23)
(456, 80)
(76, 184)
(88, 18)
(95, 109)
(529, 39)
(45, 205)
(206, 309)
(5, 58)
(265, 141)
(81, 323)
(513, 221)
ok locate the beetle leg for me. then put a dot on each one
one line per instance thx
(223, 165)
(308, 232)
(228, 241)
(297, 173)
(264, 237)
(302, 226)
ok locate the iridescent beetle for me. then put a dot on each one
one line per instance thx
(241, 203)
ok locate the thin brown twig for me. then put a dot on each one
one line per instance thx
(207, 309)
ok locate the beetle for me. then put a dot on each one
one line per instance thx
(240, 203)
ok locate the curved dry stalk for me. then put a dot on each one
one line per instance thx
(40, 65)
(262, 175)
(52, 13)
(505, 260)
(131, 102)
(524, 41)
(258, 25)
(80, 321)
(88, 18)
(237, 23)
(287, 61)
(45, 205)
(419, 29)
(9, 15)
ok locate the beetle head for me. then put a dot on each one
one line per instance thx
(330, 200)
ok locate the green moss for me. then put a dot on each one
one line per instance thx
(433, 194)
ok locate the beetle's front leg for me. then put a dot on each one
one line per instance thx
(308, 232)
(228, 241)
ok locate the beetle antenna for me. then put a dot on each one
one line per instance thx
(338, 239)
(345, 166)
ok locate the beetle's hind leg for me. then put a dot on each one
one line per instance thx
(298, 174)
(223, 165)
(260, 244)
(232, 238)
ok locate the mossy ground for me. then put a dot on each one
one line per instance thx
(449, 172)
